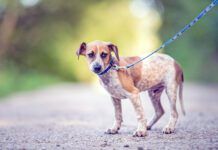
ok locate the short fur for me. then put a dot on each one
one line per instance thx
(154, 74)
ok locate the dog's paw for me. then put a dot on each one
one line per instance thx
(168, 130)
(111, 131)
(139, 133)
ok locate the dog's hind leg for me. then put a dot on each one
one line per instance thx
(118, 117)
(171, 91)
(155, 95)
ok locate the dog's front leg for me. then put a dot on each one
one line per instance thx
(118, 116)
(142, 129)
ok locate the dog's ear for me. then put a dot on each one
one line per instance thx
(81, 50)
(114, 49)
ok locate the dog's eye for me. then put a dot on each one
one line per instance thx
(91, 55)
(103, 55)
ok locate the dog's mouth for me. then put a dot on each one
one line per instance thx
(97, 72)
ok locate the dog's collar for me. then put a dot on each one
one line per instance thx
(111, 65)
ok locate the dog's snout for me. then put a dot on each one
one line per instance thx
(97, 68)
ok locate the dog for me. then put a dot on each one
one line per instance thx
(154, 74)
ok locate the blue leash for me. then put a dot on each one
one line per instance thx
(194, 21)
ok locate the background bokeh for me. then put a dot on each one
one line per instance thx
(39, 38)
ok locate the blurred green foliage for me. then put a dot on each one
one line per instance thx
(13, 80)
(39, 38)
(197, 50)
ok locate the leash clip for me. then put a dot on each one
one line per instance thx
(116, 67)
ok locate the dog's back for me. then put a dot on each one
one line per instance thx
(156, 70)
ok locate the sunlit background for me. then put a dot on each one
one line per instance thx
(39, 38)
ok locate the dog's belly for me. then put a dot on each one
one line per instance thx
(144, 84)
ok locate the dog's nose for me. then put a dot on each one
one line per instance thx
(97, 68)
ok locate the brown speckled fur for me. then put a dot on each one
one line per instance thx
(154, 74)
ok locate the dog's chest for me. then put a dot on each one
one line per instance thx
(111, 83)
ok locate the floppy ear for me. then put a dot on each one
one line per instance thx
(114, 48)
(81, 50)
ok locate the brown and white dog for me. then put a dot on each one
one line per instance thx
(154, 74)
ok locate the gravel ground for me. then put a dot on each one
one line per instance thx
(71, 116)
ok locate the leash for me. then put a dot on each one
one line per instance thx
(178, 34)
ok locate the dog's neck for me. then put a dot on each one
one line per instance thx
(105, 78)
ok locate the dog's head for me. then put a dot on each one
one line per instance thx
(98, 54)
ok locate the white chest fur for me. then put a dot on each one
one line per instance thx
(111, 83)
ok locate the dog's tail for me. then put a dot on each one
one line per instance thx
(180, 95)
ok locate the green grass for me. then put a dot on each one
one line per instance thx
(13, 80)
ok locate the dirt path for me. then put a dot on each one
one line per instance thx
(76, 116)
